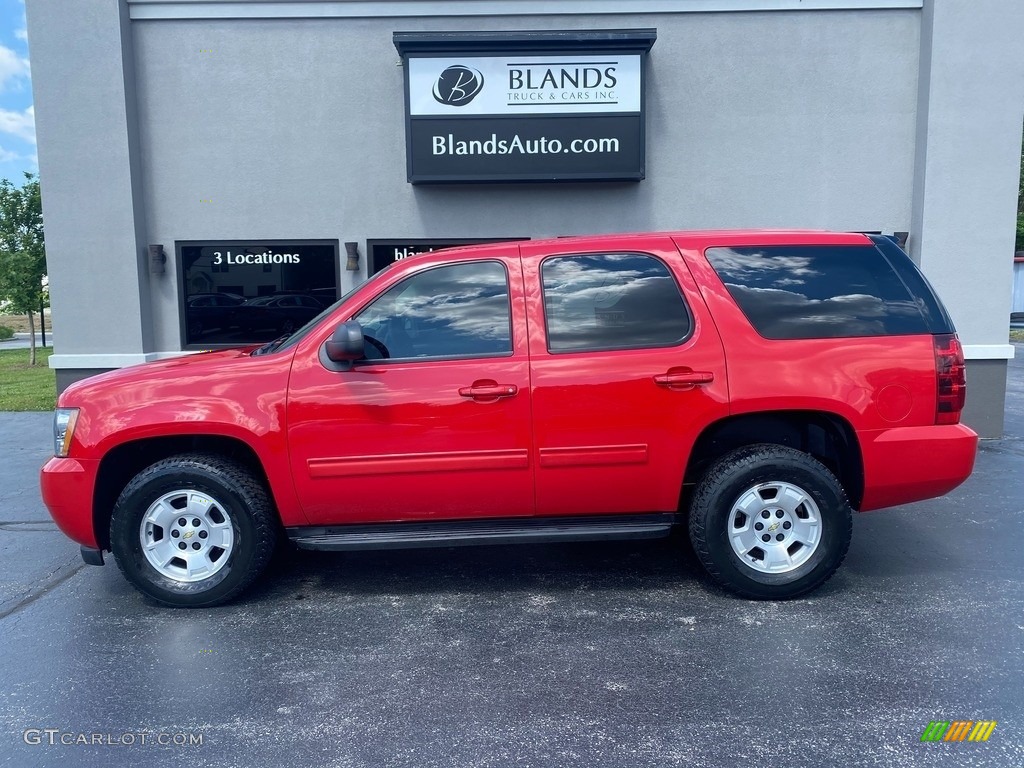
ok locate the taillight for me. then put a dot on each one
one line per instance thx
(951, 377)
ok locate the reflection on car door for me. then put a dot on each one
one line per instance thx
(435, 424)
(624, 360)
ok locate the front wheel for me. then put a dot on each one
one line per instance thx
(770, 522)
(193, 530)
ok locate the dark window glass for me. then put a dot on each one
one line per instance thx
(238, 293)
(934, 313)
(811, 292)
(460, 310)
(612, 301)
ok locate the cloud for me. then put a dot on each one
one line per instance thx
(20, 124)
(7, 156)
(21, 32)
(12, 66)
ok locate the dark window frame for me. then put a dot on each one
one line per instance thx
(617, 348)
(187, 346)
(442, 358)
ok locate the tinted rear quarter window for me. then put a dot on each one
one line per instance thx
(815, 292)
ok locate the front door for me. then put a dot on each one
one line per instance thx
(435, 423)
(627, 366)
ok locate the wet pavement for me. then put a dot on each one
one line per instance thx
(616, 654)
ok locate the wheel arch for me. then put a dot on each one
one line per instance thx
(826, 436)
(121, 463)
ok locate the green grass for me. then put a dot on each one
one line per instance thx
(24, 388)
(1017, 334)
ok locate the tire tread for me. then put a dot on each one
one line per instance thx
(750, 457)
(258, 501)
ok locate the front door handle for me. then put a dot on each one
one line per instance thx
(487, 390)
(683, 378)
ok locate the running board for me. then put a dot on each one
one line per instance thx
(461, 533)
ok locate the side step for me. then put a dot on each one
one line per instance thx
(461, 533)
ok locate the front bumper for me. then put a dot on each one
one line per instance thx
(67, 487)
(908, 464)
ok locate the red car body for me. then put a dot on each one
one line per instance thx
(585, 433)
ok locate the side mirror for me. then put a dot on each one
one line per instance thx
(345, 344)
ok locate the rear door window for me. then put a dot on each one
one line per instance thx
(814, 292)
(612, 301)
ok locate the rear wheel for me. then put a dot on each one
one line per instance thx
(193, 530)
(770, 522)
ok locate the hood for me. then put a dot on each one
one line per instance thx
(189, 371)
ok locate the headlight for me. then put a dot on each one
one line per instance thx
(64, 420)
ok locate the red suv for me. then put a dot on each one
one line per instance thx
(753, 386)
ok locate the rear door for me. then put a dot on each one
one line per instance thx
(627, 368)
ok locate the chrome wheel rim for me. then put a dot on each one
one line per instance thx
(774, 527)
(186, 535)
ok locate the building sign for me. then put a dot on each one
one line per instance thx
(539, 107)
(246, 292)
(385, 252)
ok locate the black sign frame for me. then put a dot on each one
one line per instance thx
(491, 44)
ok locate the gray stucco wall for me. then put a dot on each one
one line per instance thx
(971, 106)
(968, 145)
(294, 128)
(175, 125)
(84, 102)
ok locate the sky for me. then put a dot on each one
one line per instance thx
(17, 120)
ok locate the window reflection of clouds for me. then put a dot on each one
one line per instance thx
(461, 309)
(747, 265)
(765, 284)
(611, 301)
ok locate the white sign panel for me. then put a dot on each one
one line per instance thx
(523, 85)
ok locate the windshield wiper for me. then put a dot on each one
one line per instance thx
(270, 346)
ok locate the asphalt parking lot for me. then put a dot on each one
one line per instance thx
(570, 655)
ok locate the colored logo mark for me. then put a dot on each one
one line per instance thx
(958, 730)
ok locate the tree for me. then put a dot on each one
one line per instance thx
(22, 255)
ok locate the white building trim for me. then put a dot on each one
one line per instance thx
(988, 351)
(97, 361)
(283, 9)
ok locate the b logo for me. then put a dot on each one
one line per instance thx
(457, 85)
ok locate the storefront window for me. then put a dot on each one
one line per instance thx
(249, 292)
(385, 252)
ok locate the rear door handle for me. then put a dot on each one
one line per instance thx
(683, 378)
(488, 390)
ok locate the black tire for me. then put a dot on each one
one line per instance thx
(762, 470)
(241, 507)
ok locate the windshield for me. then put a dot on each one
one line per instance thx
(285, 342)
